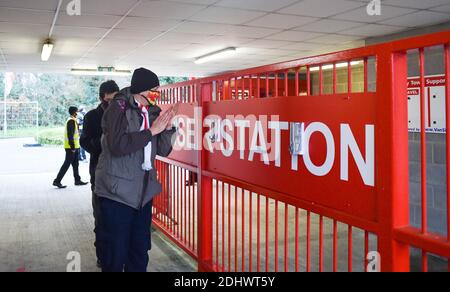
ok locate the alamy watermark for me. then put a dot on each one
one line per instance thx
(373, 262)
(374, 8)
(74, 265)
(74, 8)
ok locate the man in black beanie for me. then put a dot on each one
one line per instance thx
(134, 132)
(90, 140)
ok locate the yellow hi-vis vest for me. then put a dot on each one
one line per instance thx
(76, 135)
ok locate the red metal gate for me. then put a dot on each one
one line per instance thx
(248, 210)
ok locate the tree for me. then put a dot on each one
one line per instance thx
(57, 92)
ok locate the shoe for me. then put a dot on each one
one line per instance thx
(59, 185)
(81, 183)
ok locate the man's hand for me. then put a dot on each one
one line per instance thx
(160, 124)
(173, 111)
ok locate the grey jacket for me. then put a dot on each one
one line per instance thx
(119, 174)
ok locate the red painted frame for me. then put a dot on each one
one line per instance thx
(389, 210)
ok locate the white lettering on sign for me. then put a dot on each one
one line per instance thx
(324, 169)
(258, 144)
(249, 138)
(348, 142)
(434, 104)
(277, 127)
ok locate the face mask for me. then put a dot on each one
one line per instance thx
(152, 97)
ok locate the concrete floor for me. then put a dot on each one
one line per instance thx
(40, 225)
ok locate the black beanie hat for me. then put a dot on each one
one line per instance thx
(143, 80)
(73, 110)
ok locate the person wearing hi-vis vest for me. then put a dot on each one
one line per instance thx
(72, 147)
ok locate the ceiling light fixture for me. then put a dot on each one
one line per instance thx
(47, 50)
(216, 55)
(101, 71)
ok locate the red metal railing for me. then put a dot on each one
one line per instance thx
(235, 215)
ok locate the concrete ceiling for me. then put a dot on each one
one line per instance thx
(166, 36)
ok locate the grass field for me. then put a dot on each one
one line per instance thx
(45, 136)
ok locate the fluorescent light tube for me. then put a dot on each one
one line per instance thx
(94, 72)
(216, 55)
(46, 51)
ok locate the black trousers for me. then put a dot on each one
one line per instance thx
(127, 237)
(99, 238)
(71, 159)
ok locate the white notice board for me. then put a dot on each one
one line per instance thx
(435, 104)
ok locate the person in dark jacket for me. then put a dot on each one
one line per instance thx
(134, 132)
(90, 141)
(72, 147)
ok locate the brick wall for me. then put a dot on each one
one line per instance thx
(436, 158)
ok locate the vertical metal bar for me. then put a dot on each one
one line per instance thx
(321, 80)
(276, 236)
(180, 201)
(164, 194)
(223, 230)
(349, 71)
(177, 193)
(308, 241)
(308, 81)
(286, 238)
(217, 224)
(276, 85)
(180, 204)
(258, 86)
(236, 88)
(250, 90)
(224, 89)
(235, 229)
(366, 75)
(205, 186)
(366, 250)
(243, 87)
(350, 248)
(193, 210)
(230, 90)
(170, 205)
(334, 79)
(258, 235)
(250, 241)
(286, 83)
(173, 183)
(195, 216)
(321, 244)
(189, 208)
(423, 139)
(297, 82)
(243, 229)
(184, 207)
(158, 198)
(335, 246)
(267, 85)
(447, 146)
(392, 161)
(296, 240)
(229, 228)
(267, 234)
